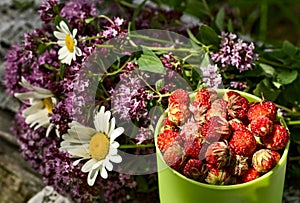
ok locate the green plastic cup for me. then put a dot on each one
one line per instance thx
(176, 188)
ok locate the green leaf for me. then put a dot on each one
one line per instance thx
(89, 20)
(230, 26)
(265, 88)
(205, 60)
(289, 48)
(285, 76)
(220, 19)
(269, 71)
(148, 61)
(41, 49)
(208, 36)
(159, 84)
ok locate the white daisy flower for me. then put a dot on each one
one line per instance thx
(67, 41)
(41, 102)
(97, 145)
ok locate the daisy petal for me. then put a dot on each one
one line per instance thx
(88, 166)
(103, 173)
(92, 177)
(108, 165)
(116, 159)
(116, 133)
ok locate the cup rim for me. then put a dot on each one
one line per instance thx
(281, 162)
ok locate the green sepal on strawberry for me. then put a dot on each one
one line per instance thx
(264, 160)
(195, 169)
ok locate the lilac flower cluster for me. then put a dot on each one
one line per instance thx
(235, 52)
(211, 77)
(240, 85)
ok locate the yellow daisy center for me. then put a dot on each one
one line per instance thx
(48, 104)
(99, 146)
(69, 43)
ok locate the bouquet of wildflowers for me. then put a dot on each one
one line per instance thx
(93, 85)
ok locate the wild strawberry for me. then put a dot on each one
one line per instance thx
(218, 108)
(178, 113)
(193, 147)
(249, 175)
(195, 169)
(205, 96)
(174, 156)
(262, 109)
(237, 104)
(242, 143)
(190, 130)
(166, 124)
(218, 177)
(218, 154)
(264, 160)
(261, 126)
(237, 124)
(215, 129)
(166, 138)
(238, 165)
(202, 103)
(277, 139)
(179, 96)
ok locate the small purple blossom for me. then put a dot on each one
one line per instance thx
(211, 77)
(46, 10)
(239, 85)
(144, 134)
(235, 52)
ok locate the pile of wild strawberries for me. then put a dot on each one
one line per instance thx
(221, 140)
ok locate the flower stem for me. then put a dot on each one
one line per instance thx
(293, 122)
(136, 146)
(296, 158)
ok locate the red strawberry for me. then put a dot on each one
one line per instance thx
(166, 124)
(271, 108)
(190, 130)
(218, 177)
(215, 129)
(261, 126)
(178, 113)
(218, 154)
(242, 143)
(264, 160)
(277, 139)
(202, 103)
(166, 138)
(218, 108)
(193, 147)
(237, 124)
(195, 169)
(205, 96)
(249, 175)
(239, 165)
(263, 108)
(237, 104)
(179, 96)
(174, 156)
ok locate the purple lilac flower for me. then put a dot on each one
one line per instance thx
(235, 52)
(211, 77)
(239, 85)
(76, 11)
(46, 11)
(144, 134)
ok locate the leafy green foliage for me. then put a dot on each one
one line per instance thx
(148, 61)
